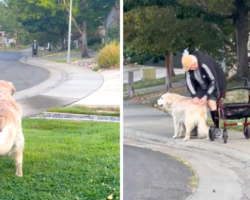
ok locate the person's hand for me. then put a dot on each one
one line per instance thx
(203, 100)
(196, 100)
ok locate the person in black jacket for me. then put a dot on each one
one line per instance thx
(205, 80)
(34, 47)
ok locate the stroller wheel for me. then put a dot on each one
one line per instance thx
(211, 134)
(246, 132)
(225, 136)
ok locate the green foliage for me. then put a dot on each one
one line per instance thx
(152, 32)
(113, 33)
(97, 47)
(95, 69)
(94, 40)
(86, 110)
(109, 56)
(222, 17)
(60, 156)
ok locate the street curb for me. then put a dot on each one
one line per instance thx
(65, 77)
(145, 135)
(45, 86)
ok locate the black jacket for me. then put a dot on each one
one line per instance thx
(211, 73)
(33, 45)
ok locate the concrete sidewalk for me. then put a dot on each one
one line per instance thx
(160, 72)
(67, 85)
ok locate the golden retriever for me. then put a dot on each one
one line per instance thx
(186, 113)
(11, 135)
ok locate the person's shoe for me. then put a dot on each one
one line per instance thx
(217, 133)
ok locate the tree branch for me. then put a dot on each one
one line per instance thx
(73, 19)
(204, 9)
(225, 38)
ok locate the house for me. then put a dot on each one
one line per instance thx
(5, 40)
(111, 20)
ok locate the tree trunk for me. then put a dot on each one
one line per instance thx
(17, 40)
(62, 41)
(168, 71)
(241, 25)
(84, 40)
(172, 66)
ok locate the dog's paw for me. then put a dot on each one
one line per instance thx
(175, 136)
(185, 139)
(19, 174)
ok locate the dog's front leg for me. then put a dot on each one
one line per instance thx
(176, 128)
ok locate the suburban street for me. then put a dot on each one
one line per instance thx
(42, 84)
(22, 75)
(222, 169)
(153, 176)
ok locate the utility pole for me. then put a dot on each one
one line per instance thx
(69, 35)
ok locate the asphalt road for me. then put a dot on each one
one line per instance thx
(150, 175)
(22, 75)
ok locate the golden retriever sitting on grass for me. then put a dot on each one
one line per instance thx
(11, 135)
(186, 113)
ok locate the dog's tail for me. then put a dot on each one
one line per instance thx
(6, 140)
(202, 126)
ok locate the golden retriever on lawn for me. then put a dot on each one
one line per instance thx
(11, 135)
(186, 113)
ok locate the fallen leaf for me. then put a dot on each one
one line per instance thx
(110, 196)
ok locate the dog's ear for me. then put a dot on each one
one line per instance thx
(168, 99)
(11, 87)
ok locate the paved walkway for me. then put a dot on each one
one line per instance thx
(160, 72)
(67, 85)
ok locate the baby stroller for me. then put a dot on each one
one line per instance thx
(34, 53)
(233, 111)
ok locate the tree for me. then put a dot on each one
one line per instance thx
(91, 13)
(9, 23)
(218, 14)
(44, 20)
(154, 32)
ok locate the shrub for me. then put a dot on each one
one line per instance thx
(95, 69)
(97, 47)
(109, 56)
(113, 33)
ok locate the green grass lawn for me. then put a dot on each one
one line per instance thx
(13, 48)
(64, 60)
(61, 53)
(87, 111)
(155, 82)
(65, 160)
(236, 128)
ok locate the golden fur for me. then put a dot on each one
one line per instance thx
(186, 113)
(11, 135)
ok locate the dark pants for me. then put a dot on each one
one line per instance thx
(201, 92)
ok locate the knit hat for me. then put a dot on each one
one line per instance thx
(187, 61)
